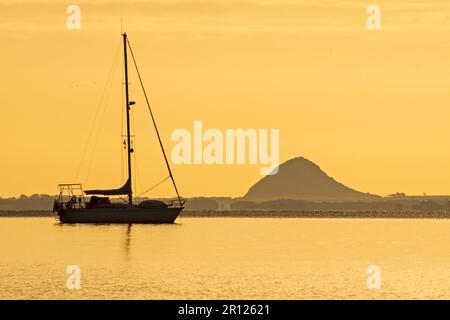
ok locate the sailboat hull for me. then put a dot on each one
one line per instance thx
(120, 215)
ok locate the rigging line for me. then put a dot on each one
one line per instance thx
(96, 114)
(154, 124)
(135, 172)
(133, 141)
(154, 186)
(101, 119)
(133, 144)
(136, 168)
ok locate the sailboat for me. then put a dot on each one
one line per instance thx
(71, 205)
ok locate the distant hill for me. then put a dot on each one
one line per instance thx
(301, 179)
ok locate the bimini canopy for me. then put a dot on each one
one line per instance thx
(125, 189)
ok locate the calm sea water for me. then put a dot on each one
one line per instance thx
(226, 258)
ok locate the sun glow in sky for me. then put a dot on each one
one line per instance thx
(371, 108)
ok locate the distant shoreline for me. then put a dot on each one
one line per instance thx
(25, 213)
(269, 214)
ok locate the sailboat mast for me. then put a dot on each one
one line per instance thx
(127, 101)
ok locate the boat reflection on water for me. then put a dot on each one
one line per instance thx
(128, 240)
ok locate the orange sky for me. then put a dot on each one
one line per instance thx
(371, 108)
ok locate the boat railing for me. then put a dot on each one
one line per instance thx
(71, 196)
(175, 202)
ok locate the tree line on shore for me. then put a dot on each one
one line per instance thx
(45, 202)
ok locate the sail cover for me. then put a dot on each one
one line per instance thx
(125, 189)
